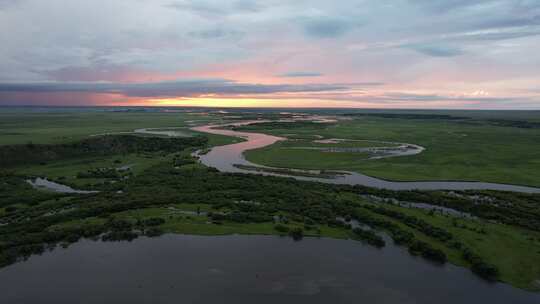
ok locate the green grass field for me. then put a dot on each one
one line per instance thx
(22, 127)
(161, 189)
(454, 150)
(510, 248)
(178, 222)
(68, 125)
(65, 171)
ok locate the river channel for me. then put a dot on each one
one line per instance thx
(227, 158)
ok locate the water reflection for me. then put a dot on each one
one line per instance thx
(243, 269)
(225, 157)
(43, 183)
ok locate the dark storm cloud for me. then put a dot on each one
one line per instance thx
(184, 88)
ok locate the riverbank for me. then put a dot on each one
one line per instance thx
(473, 150)
(204, 219)
(228, 158)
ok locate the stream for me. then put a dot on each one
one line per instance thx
(227, 158)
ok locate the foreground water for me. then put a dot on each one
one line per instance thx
(243, 269)
(224, 158)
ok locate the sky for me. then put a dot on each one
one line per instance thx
(451, 54)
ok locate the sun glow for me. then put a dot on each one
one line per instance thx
(250, 102)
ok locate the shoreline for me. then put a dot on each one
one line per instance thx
(257, 141)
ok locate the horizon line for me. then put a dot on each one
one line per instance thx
(260, 107)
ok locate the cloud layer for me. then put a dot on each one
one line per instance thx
(184, 88)
(126, 51)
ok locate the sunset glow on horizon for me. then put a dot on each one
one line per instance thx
(242, 53)
(251, 103)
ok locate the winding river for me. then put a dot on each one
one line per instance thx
(224, 158)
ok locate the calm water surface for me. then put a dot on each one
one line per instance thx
(43, 183)
(242, 269)
(225, 157)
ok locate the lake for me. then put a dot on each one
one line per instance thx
(243, 269)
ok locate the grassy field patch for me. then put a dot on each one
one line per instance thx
(454, 151)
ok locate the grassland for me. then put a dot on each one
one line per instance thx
(455, 150)
(66, 171)
(183, 219)
(508, 247)
(188, 198)
(333, 143)
(54, 127)
(69, 125)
